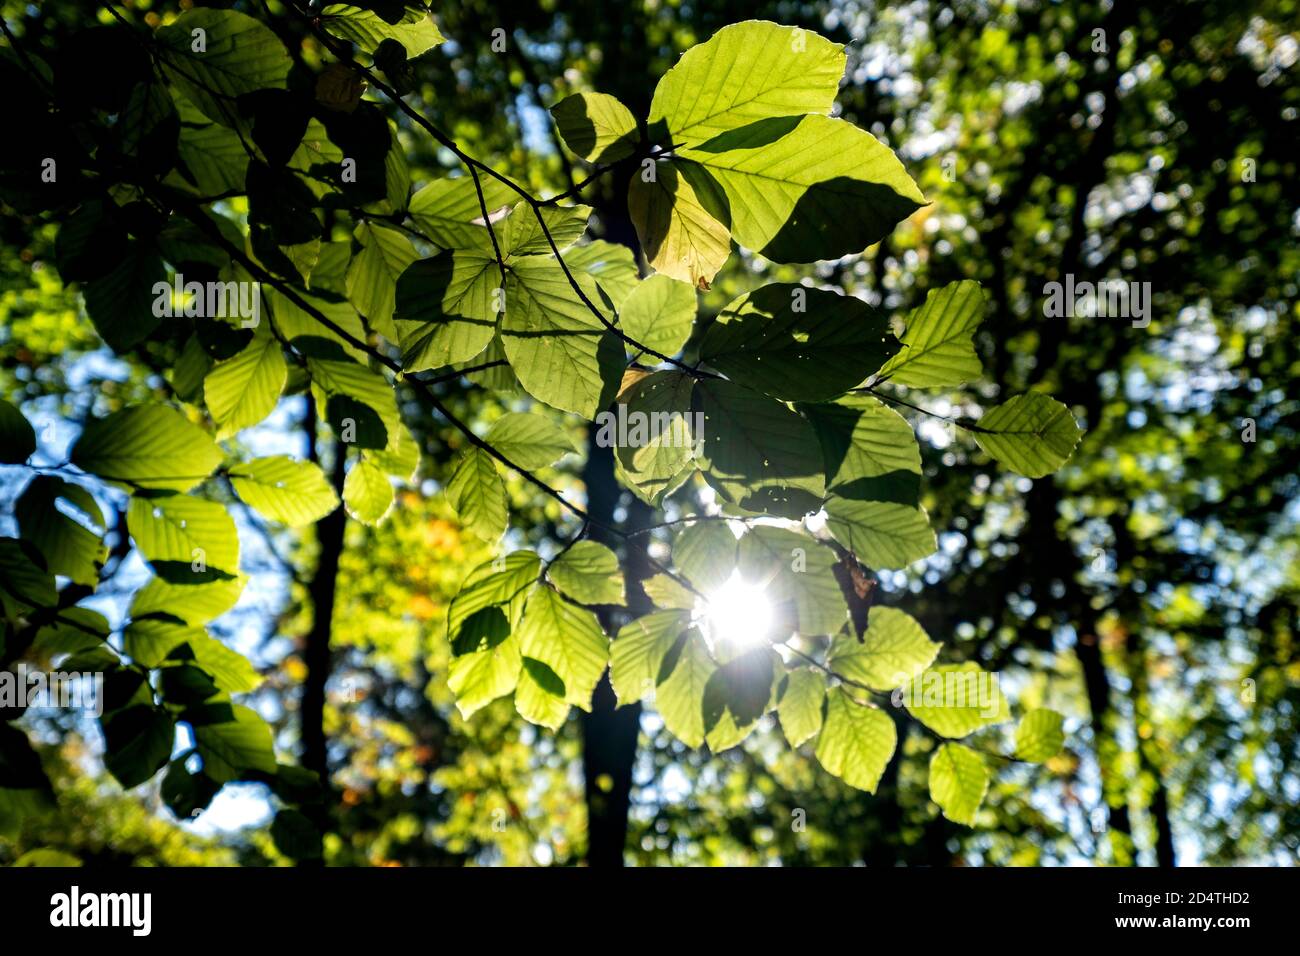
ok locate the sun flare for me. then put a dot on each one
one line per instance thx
(739, 613)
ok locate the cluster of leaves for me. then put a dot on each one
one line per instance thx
(220, 157)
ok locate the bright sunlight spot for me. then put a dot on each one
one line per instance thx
(739, 613)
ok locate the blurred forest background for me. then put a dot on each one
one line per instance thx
(1148, 591)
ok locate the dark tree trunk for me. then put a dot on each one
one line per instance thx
(609, 733)
(316, 650)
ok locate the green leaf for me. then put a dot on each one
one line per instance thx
(239, 55)
(539, 698)
(740, 688)
(705, 553)
(148, 446)
(680, 697)
(745, 72)
(856, 742)
(1039, 736)
(937, 344)
(191, 603)
(148, 642)
(291, 492)
(122, 303)
(1031, 434)
(243, 390)
(76, 629)
(446, 308)
(191, 367)
(214, 154)
(415, 31)
(800, 706)
(958, 781)
(137, 743)
(23, 578)
(348, 390)
(870, 450)
(797, 575)
(564, 356)
(295, 323)
(804, 188)
(373, 272)
(477, 493)
(894, 649)
(567, 639)
(663, 457)
(231, 671)
(367, 492)
(17, 437)
(659, 314)
(520, 234)
(665, 592)
(183, 536)
(610, 264)
(596, 126)
(229, 749)
(445, 211)
(637, 653)
(882, 534)
(505, 582)
(588, 573)
(796, 343)
(530, 440)
(757, 452)
(480, 677)
(954, 700)
(69, 548)
(681, 218)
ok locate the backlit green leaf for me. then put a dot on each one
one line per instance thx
(596, 126)
(564, 356)
(238, 55)
(588, 573)
(796, 343)
(529, 439)
(800, 707)
(637, 653)
(1039, 736)
(894, 649)
(937, 347)
(806, 188)
(291, 492)
(680, 697)
(476, 492)
(746, 72)
(757, 452)
(567, 639)
(659, 314)
(958, 781)
(1031, 434)
(882, 534)
(955, 700)
(243, 390)
(856, 741)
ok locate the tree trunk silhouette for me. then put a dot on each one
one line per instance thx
(610, 733)
(316, 648)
